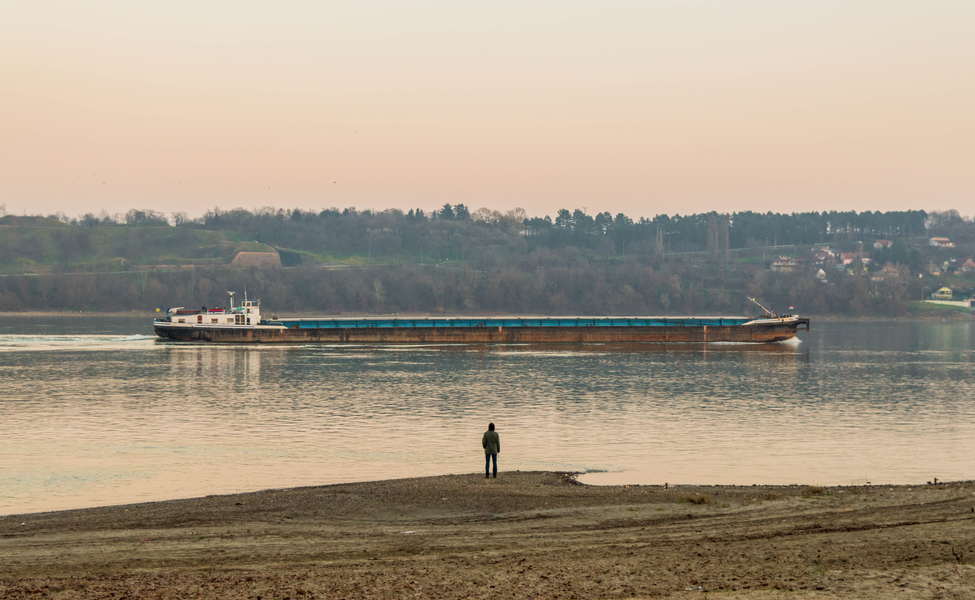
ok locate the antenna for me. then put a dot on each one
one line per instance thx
(760, 305)
(231, 294)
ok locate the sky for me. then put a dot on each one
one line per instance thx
(642, 107)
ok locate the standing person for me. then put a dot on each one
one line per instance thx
(492, 446)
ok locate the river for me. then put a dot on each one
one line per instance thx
(95, 411)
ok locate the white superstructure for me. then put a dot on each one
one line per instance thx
(245, 314)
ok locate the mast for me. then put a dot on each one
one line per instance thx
(760, 305)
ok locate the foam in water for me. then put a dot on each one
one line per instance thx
(28, 342)
(793, 341)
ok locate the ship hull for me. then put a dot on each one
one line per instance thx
(753, 333)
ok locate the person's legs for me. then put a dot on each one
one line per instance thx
(487, 465)
(495, 458)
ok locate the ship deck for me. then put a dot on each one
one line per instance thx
(506, 322)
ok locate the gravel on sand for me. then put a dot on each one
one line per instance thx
(523, 535)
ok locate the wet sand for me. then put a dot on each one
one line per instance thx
(523, 535)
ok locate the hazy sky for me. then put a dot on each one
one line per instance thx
(635, 106)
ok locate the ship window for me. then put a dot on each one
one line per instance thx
(181, 320)
(230, 320)
(199, 318)
(214, 320)
(248, 320)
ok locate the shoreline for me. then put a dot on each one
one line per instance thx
(76, 313)
(572, 477)
(525, 534)
(577, 478)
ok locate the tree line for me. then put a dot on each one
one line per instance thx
(529, 287)
(456, 260)
(451, 233)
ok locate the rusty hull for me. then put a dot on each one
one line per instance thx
(481, 335)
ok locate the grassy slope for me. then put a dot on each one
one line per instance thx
(925, 309)
(44, 248)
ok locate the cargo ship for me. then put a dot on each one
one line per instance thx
(243, 323)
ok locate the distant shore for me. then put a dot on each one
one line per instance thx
(530, 534)
(77, 313)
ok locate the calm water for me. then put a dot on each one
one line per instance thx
(98, 412)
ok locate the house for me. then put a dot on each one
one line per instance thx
(848, 258)
(942, 294)
(256, 259)
(889, 272)
(821, 275)
(784, 264)
(821, 255)
(941, 242)
(968, 266)
(882, 244)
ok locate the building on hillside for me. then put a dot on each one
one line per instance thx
(968, 266)
(848, 258)
(821, 255)
(882, 244)
(784, 264)
(944, 293)
(889, 272)
(261, 260)
(941, 242)
(821, 275)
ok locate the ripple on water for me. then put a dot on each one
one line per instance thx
(48, 343)
(146, 420)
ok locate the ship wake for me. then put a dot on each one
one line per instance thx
(33, 343)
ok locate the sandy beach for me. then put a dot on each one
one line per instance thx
(523, 535)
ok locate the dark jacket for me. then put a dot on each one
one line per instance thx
(491, 442)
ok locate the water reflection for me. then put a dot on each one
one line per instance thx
(150, 420)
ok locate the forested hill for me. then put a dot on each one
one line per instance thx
(456, 260)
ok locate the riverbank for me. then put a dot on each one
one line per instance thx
(523, 535)
(144, 314)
